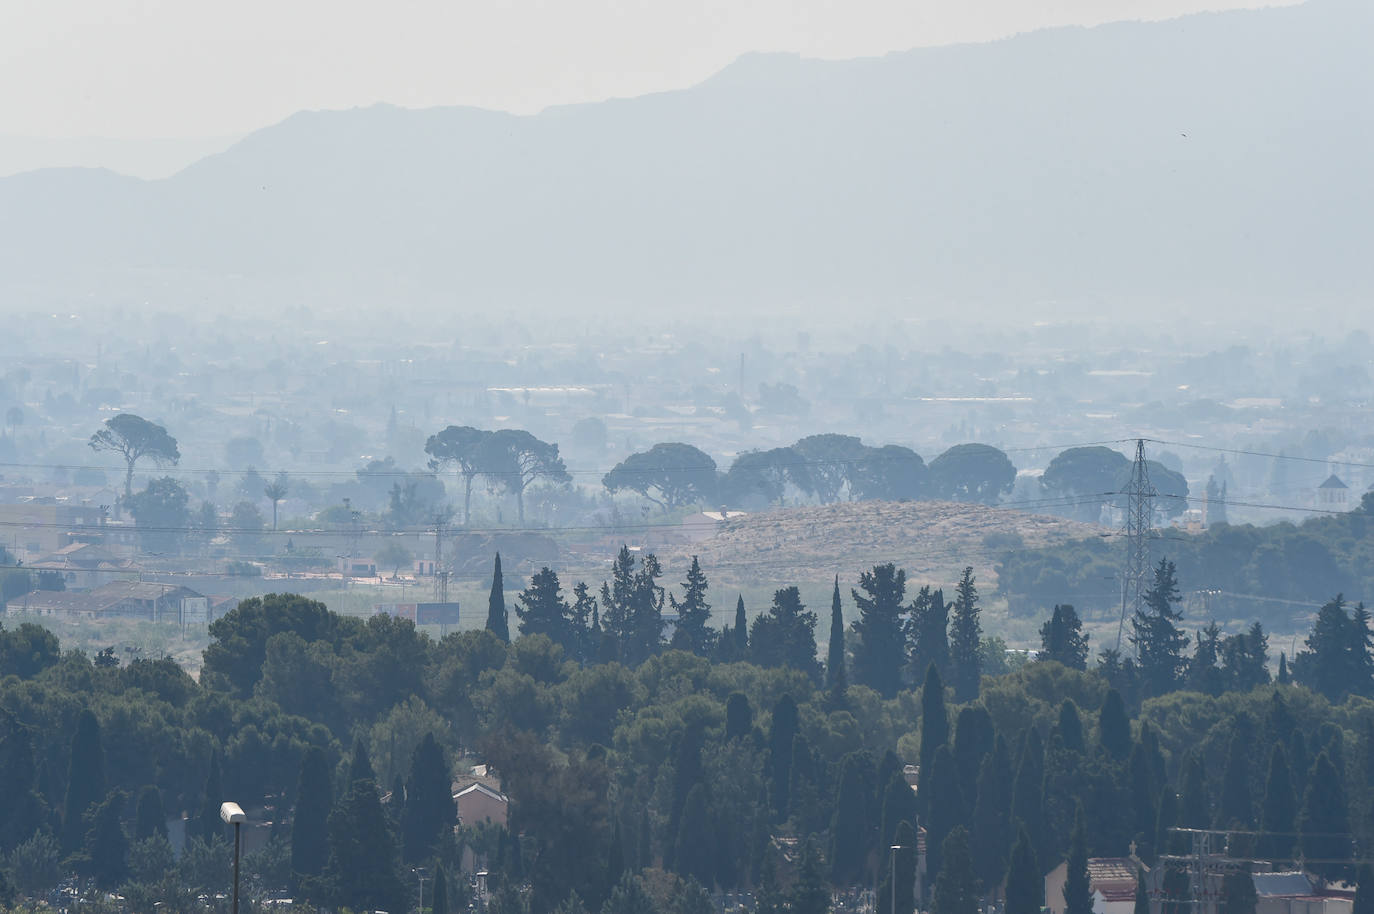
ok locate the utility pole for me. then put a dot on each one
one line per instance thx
(1139, 522)
(440, 573)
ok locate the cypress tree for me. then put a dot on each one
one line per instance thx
(781, 734)
(898, 888)
(686, 773)
(810, 893)
(23, 809)
(899, 805)
(150, 819)
(956, 888)
(1071, 726)
(1235, 808)
(1279, 819)
(991, 830)
(1142, 897)
(497, 621)
(966, 641)
(1144, 798)
(1364, 890)
(741, 630)
(1027, 795)
(1194, 808)
(694, 858)
(1166, 817)
(835, 677)
(360, 768)
(1078, 896)
(362, 870)
(310, 822)
(1025, 885)
(208, 824)
(106, 845)
(934, 723)
(1299, 762)
(439, 894)
(928, 631)
(429, 811)
(1114, 727)
(974, 737)
(851, 835)
(1324, 826)
(1238, 892)
(615, 856)
(945, 805)
(739, 717)
(1284, 678)
(85, 779)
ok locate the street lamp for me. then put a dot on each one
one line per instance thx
(233, 815)
(892, 874)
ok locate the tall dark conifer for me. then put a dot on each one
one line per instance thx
(150, 820)
(966, 641)
(1236, 808)
(1114, 727)
(878, 647)
(1027, 792)
(1324, 824)
(692, 632)
(1078, 896)
(498, 623)
(934, 721)
(85, 779)
(956, 886)
(362, 872)
(1025, 885)
(429, 811)
(310, 822)
(835, 679)
(208, 824)
(991, 828)
(741, 629)
(1158, 640)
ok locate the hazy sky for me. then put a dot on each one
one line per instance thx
(191, 68)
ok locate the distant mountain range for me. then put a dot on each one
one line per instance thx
(1221, 160)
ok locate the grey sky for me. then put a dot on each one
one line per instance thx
(195, 69)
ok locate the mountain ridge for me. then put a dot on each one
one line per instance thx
(1211, 157)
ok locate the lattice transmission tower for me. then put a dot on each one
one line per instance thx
(1140, 509)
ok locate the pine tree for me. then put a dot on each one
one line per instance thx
(693, 614)
(497, 621)
(835, 679)
(310, 822)
(429, 811)
(966, 641)
(85, 779)
(543, 611)
(1025, 885)
(1279, 819)
(1323, 825)
(956, 888)
(150, 819)
(1114, 727)
(878, 647)
(1078, 896)
(1158, 641)
(785, 636)
(1062, 639)
(927, 632)
(362, 869)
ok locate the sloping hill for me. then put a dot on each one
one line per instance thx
(1219, 158)
(933, 541)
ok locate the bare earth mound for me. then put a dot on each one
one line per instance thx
(931, 540)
